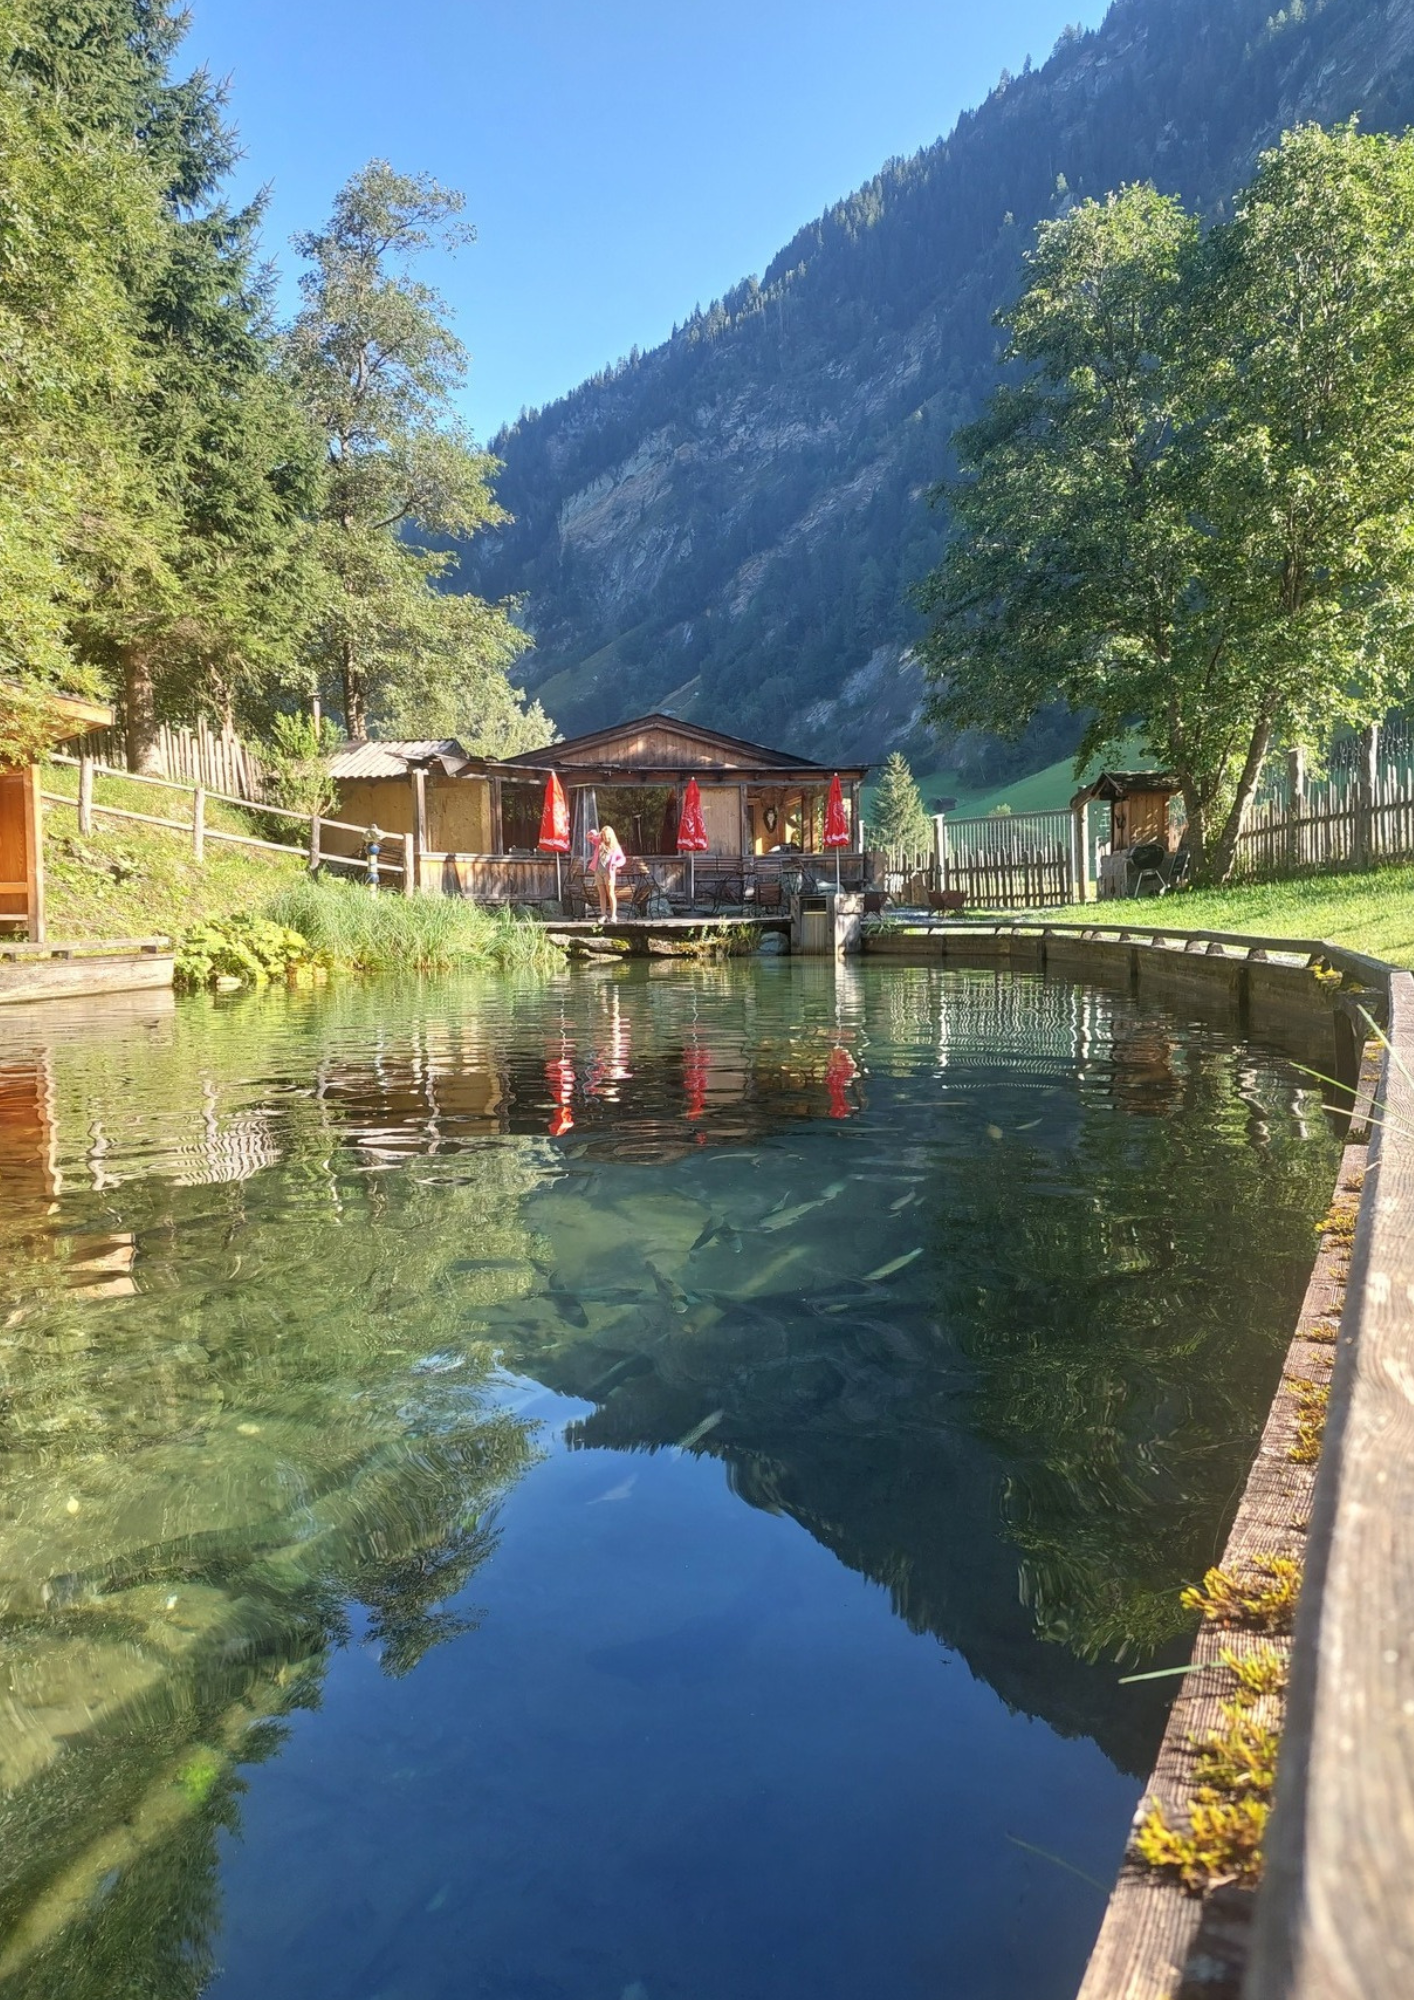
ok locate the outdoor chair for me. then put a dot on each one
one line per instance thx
(769, 896)
(874, 902)
(728, 893)
(947, 902)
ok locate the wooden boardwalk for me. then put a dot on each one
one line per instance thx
(70, 971)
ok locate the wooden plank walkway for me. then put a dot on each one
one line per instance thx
(86, 966)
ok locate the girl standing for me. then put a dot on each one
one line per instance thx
(608, 860)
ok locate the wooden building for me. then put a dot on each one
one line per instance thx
(22, 821)
(476, 820)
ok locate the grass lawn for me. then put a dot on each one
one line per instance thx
(1367, 912)
(124, 880)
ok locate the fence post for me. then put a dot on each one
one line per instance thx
(1365, 795)
(314, 855)
(940, 848)
(85, 793)
(1080, 850)
(409, 867)
(1296, 776)
(198, 826)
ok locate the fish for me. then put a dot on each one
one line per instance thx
(994, 1131)
(671, 1293)
(896, 1264)
(904, 1201)
(622, 1371)
(786, 1218)
(1029, 1126)
(699, 1431)
(568, 1307)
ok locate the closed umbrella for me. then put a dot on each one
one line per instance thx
(692, 832)
(836, 823)
(555, 826)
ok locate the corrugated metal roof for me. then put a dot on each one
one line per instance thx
(390, 760)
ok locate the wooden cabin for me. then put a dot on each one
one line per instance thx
(1139, 818)
(22, 821)
(476, 820)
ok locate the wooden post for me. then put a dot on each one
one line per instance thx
(85, 793)
(409, 866)
(1296, 810)
(34, 856)
(198, 825)
(940, 848)
(744, 821)
(1080, 850)
(314, 854)
(498, 838)
(1365, 796)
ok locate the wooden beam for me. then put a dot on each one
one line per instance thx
(34, 855)
(498, 837)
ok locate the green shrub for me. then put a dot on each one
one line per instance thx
(390, 932)
(249, 949)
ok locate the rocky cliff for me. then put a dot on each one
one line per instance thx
(726, 527)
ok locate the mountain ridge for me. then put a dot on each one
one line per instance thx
(726, 526)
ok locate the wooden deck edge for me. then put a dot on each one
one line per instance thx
(1158, 1942)
(80, 978)
(1336, 1917)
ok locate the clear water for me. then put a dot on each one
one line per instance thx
(643, 1486)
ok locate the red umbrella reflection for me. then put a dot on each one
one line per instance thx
(696, 1070)
(840, 1072)
(559, 1074)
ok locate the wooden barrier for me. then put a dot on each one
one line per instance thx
(1335, 1919)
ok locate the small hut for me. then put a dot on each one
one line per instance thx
(22, 820)
(1139, 818)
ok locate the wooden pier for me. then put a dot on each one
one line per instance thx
(666, 937)
(69, 971)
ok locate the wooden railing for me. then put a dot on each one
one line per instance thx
(730, 880)
(198, 831)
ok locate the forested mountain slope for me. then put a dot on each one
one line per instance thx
(727, 526)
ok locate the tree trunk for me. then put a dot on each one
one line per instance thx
(1226, 852)
(139, 710)
(1195, 835)
(355, 717)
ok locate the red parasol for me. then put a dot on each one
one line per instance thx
(555, 825)
(836, 823)
(692, 831)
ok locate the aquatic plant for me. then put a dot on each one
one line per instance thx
(394, 933)
(1259, 1674)
(1222, 1843)
(1312, 1401)
(1264, 1596)
(245, 949)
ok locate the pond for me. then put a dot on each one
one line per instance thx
(644, 1485)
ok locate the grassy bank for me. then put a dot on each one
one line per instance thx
(393, 933)
(124, 880)
(1371, 912)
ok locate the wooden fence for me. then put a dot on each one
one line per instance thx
(217, 760)
(1010, 861)
(309, 844)
(1352, 821)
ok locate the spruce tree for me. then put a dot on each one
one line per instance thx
(899, 822)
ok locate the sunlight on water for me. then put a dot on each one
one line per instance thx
(638, 1485)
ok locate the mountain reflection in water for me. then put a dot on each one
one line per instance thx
(312, 1307)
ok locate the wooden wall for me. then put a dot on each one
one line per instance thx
(459, 815)
(21, 869)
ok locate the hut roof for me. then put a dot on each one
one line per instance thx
(394, 760)
(1124, 785)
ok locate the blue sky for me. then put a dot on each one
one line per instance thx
(622, 161)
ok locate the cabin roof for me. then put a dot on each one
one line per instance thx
(364, 759)
(1125, 784)
(733, 753)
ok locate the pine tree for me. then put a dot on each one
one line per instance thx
(376, 366)
(899, 822)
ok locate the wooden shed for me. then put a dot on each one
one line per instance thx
(22, 821)
(1138, 803)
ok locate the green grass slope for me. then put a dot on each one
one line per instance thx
(124, 880)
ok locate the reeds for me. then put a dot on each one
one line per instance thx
(389, 932)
